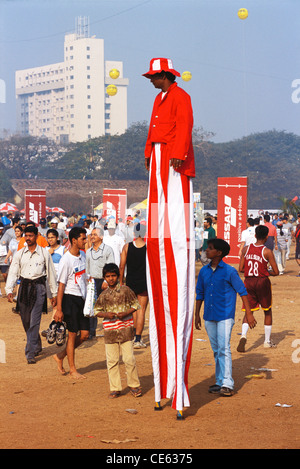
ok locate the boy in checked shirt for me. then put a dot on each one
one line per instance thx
(116, 305)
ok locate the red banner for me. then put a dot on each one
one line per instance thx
(35, 205)
(115, 203)
(232, 213)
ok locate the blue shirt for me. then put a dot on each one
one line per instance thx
(218, 289)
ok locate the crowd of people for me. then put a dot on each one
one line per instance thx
(283, 231)
(59, 257)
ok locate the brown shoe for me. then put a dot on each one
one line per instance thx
(241, 346)
(114, 394)
(136, 392)
(227, 392)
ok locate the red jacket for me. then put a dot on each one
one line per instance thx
(171, 125)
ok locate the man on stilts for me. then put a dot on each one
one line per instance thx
(169, 157)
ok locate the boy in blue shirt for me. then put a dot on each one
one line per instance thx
(218, 284)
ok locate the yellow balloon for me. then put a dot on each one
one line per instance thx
(114, 73)
(186, 76)
(243, 13)
(111, 90)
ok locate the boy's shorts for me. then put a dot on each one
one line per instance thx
(259, 291)
(4, 269)
(72, 308)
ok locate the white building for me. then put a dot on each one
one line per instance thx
(67, 101)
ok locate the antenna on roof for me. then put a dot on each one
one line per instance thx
(82, 27)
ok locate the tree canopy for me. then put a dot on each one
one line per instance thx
(269, 159)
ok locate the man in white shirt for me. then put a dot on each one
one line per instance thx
(248, 235)
(33, 265)
(114, 241)
(96, 258)
(72, 285)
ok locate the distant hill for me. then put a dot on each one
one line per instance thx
(269, 159)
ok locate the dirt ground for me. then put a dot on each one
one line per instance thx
(39, 408)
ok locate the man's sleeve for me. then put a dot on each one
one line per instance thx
(184, 128)
(200, 288)
(63, 271)
(237, 283)
(110, 257)
(13, 274)
(87, 263)
(100, 304)
(51, 274)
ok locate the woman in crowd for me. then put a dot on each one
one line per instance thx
(55, 248)
(133, 259)
(282, 242)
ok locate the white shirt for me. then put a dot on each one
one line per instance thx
(248, 236)
(71, 272)
(117, 244)
(31, 266)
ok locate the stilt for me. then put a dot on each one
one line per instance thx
(157, 406)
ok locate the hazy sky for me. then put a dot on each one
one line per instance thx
(243, 70)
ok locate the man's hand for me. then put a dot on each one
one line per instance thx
(110, 315)
(53, 301)
(58, 316)
(10, 298)
(176, 163)
(122, 314)
(197, 321)
(147, 163)
(251, 320)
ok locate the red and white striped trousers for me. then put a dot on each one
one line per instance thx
(170, 277)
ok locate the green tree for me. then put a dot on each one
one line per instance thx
(6, 190)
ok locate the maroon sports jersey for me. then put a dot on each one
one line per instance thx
(255, 263)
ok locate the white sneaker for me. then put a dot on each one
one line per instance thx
(139, 344)
(269, 344)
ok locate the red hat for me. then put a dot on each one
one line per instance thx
(159, 65)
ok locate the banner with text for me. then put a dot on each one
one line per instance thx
(35, 205)
(232, 213)
(115, 203)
